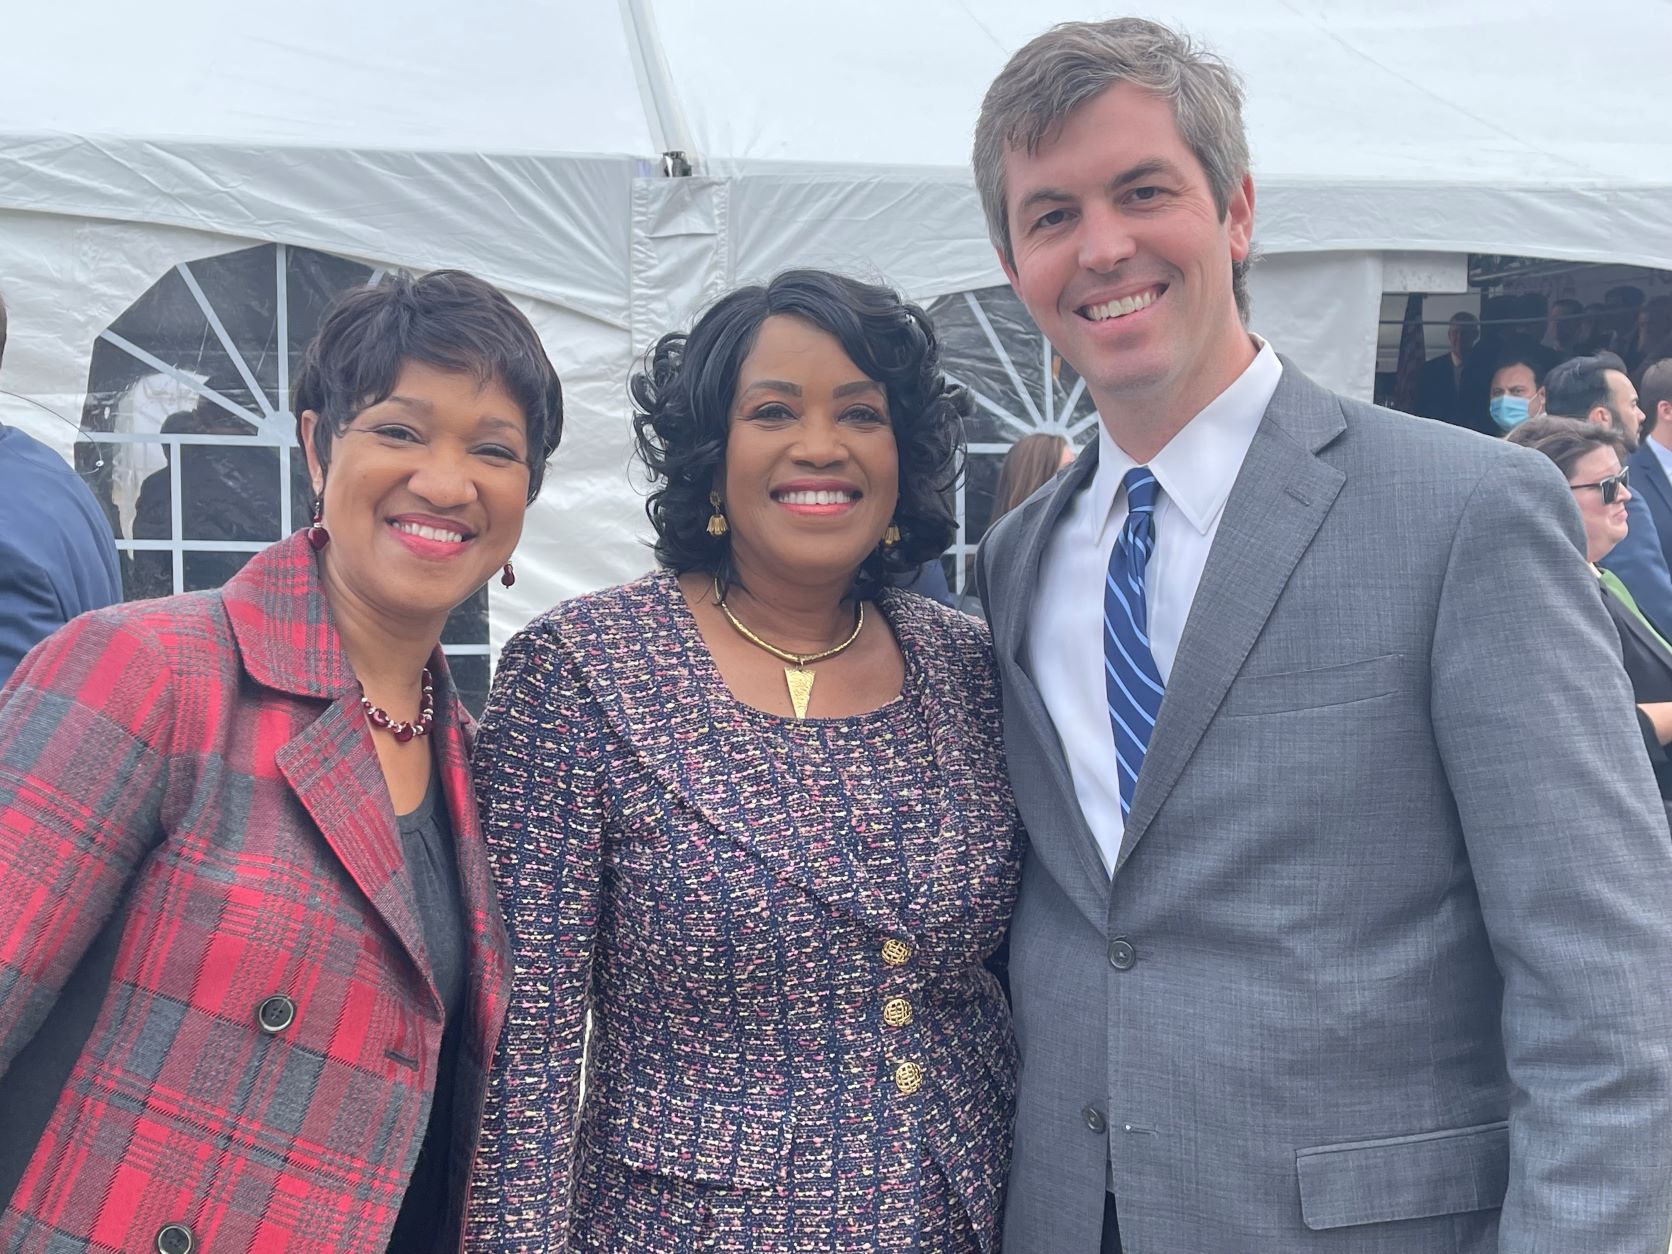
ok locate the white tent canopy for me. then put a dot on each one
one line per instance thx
(522, 142)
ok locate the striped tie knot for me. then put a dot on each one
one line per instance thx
(1141, 490)
(1141, 493)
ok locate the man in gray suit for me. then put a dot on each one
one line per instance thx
(1344, 924)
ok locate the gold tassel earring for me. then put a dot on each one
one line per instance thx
(717, 525)
(891, 537)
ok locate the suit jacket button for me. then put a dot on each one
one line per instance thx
(175, 1239)
(1094, 1119)
(895, 953)
(275, 1014)
(1122, 956)
(908, 1078)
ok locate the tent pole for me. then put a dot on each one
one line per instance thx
(650, 68)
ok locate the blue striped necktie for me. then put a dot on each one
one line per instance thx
(1130, 677)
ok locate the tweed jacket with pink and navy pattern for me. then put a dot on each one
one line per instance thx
(203, 762)
(704, 909)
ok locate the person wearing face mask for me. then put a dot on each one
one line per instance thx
(1590, 456)
(1516, 391)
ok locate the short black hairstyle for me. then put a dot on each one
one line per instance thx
(447, 319)
(683, 397)
(1577, 386)
(1522, 350)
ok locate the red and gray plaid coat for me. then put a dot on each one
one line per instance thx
(203, 762)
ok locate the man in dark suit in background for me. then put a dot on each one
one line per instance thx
(1564, 329)
(1437, 382)
(57, 558)
(1651, 464)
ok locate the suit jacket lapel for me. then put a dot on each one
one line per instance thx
(1034, 521)
(1641, 633)
(1649, 477)
(1280, 499)
(1037, 764)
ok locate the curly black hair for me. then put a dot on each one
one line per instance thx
(446, 318)
(682, 402)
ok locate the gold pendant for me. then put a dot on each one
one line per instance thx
(800, 684)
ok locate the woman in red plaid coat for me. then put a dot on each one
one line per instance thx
(251, 967)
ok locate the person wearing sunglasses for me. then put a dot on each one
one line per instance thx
(1590, 456)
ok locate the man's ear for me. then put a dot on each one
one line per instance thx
(1535, 406)
(1239, 218)
(1009, 270)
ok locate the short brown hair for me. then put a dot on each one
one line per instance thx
(1028, 465)
(1656, 387)
(1072, 64)
(1566, 440)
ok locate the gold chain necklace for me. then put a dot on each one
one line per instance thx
(797, 678)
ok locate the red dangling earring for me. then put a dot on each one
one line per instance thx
(318, 537)
(508, 576)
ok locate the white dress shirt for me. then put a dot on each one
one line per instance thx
(1063, 651)
(1663, 455)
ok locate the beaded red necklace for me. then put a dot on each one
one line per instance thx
(404, 732)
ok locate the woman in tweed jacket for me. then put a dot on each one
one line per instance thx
(251, 962)
(750, 814)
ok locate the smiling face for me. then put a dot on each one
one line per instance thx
(1123, 259)
(425, 494)
(812, 474)
(1605, 525)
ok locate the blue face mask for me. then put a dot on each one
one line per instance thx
(1509, 412)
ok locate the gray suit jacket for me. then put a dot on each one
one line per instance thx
(1387, 947)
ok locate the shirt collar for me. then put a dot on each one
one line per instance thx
(1662, 454)
(1199, 465)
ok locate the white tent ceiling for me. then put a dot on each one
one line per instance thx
(1503, 125)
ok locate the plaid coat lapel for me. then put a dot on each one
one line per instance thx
(287, 641)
